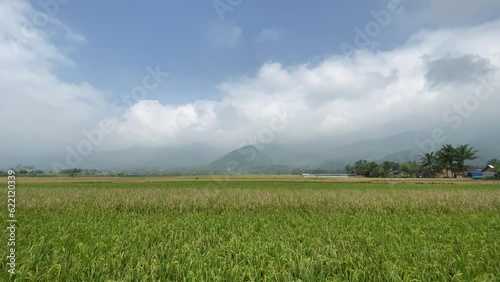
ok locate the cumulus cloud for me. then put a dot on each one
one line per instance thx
(149, 122)
(40, 112)
(368, 94)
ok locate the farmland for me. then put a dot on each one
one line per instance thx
(255, 229)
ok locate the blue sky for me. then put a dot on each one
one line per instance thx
(414, 65)
(124, 37)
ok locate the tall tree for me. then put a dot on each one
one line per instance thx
(409, 169)
(374, 170)
(361, 166)
(348, 168)
(463, 153)
(390, 168)
(446, 157)
(429, 164)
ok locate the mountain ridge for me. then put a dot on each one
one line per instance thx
(242, 160)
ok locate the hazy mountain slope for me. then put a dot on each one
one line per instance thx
(400, 147)
(244, 159)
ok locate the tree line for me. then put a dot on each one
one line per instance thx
(448, 160)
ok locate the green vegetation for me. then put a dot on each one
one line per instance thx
(283, 229)
(452, 159)
(495, 163)
(431, 164)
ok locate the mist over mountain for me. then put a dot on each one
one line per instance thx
(202, 158)
(242, 160)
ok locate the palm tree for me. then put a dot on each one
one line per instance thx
(374, 170)
(446, 157)
(463, 153)
(429, 164)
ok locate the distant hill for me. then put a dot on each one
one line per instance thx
(403, 146)
(377, 149)
(246, 159)
(398, 148)
(276, 157)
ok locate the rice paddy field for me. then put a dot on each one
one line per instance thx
(254, 229)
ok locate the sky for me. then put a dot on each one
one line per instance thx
(91, 76)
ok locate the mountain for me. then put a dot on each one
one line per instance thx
(246, 159)
(298, 155)
(195, 157)
(405, 146)
(408, 146)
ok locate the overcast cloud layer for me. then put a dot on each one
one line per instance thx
(369, 94)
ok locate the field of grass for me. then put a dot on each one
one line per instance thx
(255, 229)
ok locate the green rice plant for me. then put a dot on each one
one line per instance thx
(255, 231)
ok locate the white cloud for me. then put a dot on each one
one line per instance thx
(41, 112)
(70, 34)
(149, 122)
(370, 94)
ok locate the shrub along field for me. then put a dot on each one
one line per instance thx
(265, 229)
